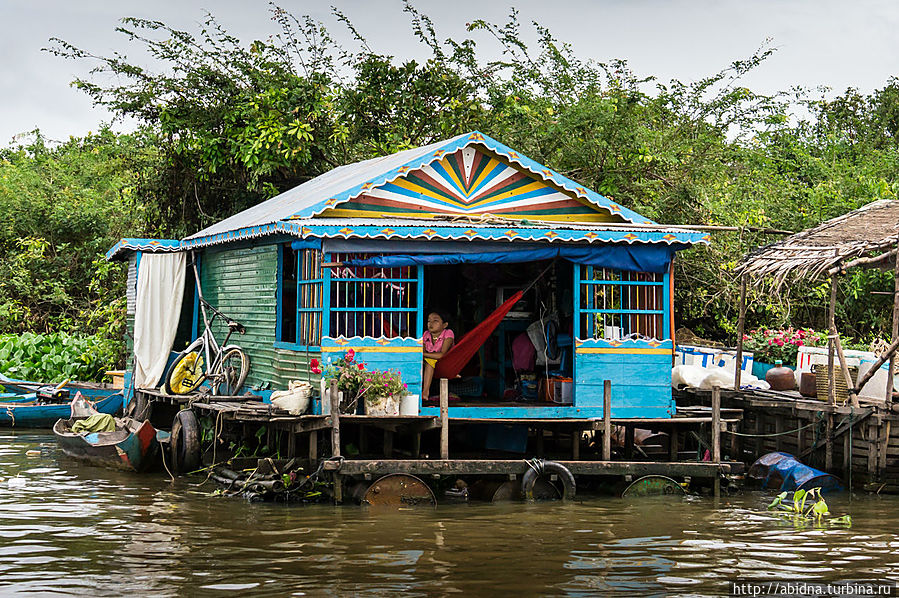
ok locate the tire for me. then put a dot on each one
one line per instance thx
(185, 443)
(235, 367)
(545, 467)
(186, 374)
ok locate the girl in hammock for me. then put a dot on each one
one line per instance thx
(437, 342)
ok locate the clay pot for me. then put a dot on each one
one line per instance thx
(780, 378)
(808, 385)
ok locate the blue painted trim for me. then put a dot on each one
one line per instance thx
(373, 279)
(433, 231)
(567, 412)
(148, 245)
(279, 293)
(624, 345)
(196, 315)
(577, 324)
(370, 341)
(623, 282)
(622, 311)
(296, 347)
(369, 309)
(326, 297)
(666, 297)
(420, 316)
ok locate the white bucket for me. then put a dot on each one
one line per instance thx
(409, 405)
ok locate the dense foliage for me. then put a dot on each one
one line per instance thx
(228, 123)
(56, 357)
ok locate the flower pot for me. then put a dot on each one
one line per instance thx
(760, 368)
(384, 406)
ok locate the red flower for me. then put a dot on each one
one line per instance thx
(361, 366)
(314, 363)
(350, 356)
(316, 370)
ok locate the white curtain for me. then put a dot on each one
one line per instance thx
(160, 289)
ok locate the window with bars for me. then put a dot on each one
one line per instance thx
(615, 304)
(300, 318)
(371, 301)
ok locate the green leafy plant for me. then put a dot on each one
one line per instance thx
(357, 382)
(56, 357)
(793, 504)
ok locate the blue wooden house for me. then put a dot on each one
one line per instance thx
(355, 259)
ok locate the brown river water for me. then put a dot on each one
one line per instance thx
(75, 530)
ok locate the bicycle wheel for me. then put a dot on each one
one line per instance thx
(233, 373)
(186, 374)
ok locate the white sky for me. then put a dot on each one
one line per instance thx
(823, 42)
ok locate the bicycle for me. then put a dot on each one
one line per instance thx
(229, 363)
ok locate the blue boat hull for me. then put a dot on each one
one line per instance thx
(133, 446)
(30, 415)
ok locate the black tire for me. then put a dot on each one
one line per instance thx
(185, 443)
(198, 374)
(548, 467)
(235, 367)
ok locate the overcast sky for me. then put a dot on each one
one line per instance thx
(823, 42)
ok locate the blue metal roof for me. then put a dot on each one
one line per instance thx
(348, 182)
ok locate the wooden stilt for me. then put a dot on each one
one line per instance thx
(291, 444)
(760, 428)
(629, 442)
(847, 455)
(741, 330)
(540, 449)
(828, 445)
(576, 444)
(388, 444)
(416, 445)
(335, 420)
(716, 435)
(778, 429)
(831, 320)
(335, 441)
(673, 442)
(313, 446)
(607, 420)
(444, 418)
(853, 397)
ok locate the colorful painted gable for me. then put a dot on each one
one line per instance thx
(470, 180)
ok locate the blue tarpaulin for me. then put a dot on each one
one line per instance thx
(640, 258)
(785, 471)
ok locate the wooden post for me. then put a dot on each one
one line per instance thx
(892, 370)
(629, 442)
(716, 424)
(673, 444)
(741, 330)
(291, 444)
(416, 445)
(847, 455)
(335, 440)
(831, 320)
(540, 449)
(335, 420)
(388, 444)
(607, 420)
(313, 447)
(778, 429)
(444, 418)
(576, 445)
(716, 435)
(828, 445)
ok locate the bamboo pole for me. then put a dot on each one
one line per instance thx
(607, 420)
(741, 330)
(845, 368)
(444, 418)
(876, 366)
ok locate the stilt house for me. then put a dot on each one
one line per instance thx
(357, 257)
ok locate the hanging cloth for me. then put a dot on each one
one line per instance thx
(462, 352)
(160, 289)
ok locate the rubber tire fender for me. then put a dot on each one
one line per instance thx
(549, 467)
(185, 443)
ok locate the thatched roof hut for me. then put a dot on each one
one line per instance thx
(864, 237)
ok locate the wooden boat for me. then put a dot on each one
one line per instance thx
(22, 405)
(132, 446)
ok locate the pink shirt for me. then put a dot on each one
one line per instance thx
(432, 346)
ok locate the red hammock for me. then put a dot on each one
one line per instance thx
(462, 352)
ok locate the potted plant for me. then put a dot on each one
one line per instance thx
(382, 392)
(378, 391)
(770, 345)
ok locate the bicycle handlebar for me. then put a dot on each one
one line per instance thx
(232, 324)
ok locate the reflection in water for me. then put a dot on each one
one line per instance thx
(80, 530)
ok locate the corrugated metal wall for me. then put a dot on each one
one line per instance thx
(130, 301)
(242, 283)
